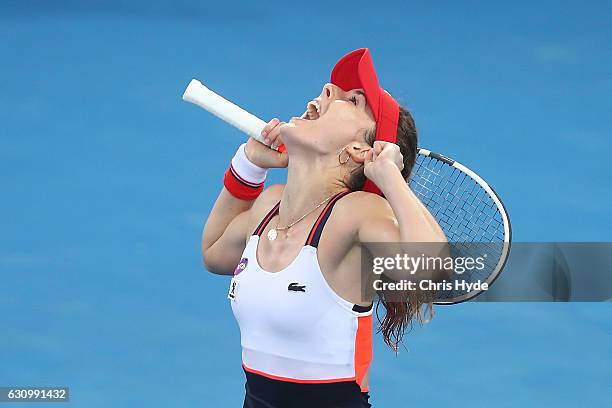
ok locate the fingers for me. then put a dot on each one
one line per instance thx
(271, 124)
(265, 133)
(389, 150)
(276, 141)
(386, 148)
(262, 156)
(379, 146)
(271, 133)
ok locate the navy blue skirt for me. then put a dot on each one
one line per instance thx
(264, 392)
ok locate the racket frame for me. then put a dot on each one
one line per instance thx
(500, 207)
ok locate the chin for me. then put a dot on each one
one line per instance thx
(304, 135)
(294, 132)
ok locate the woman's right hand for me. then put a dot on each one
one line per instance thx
(263, 155)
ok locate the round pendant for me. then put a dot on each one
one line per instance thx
(272, 234)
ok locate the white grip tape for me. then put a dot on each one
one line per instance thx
(231, 113)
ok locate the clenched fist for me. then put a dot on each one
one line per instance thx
(264, 155)
(381, 161)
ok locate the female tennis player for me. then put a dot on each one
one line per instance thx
(294, 249)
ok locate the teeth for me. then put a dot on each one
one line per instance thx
(313, 110)
(317, 105)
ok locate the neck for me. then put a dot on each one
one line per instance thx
(308, 183)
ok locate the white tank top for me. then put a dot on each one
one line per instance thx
(293, 326)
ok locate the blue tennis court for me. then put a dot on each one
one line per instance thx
(107, 178)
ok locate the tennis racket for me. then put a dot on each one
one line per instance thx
(470, 213)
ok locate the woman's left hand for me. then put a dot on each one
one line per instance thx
(382, 160)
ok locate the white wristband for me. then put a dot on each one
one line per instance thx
(246, 169)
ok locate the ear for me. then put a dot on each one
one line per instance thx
(357, 151)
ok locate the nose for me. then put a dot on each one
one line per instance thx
(330, 92)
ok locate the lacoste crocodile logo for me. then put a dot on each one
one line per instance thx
(296, 287)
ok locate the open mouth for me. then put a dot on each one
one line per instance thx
(313, 110)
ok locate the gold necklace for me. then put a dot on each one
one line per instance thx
(273, 233)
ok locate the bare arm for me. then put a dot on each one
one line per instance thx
(402, 218)
(226, 230)
(415, 222)
(224, 235)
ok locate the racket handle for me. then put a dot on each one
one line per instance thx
(200, 95)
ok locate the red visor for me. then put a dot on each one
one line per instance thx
(356, 70)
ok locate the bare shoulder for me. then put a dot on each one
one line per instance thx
(368, 206)
(373, 218)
